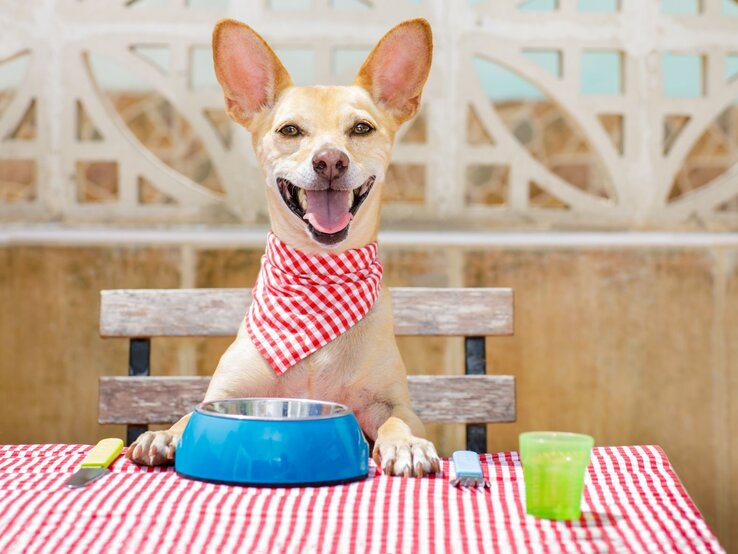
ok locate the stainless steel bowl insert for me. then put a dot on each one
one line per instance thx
(273, 409)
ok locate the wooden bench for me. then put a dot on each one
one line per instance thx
(140, 400)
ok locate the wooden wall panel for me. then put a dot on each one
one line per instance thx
(51, 351)
(615, 344)
(728, 386)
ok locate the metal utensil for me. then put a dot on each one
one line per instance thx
(468, 470)
(96, 463)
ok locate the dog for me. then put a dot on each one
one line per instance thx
(325, 152)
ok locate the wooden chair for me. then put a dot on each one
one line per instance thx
(140, 400)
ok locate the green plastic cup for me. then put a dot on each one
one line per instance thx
(554, 465)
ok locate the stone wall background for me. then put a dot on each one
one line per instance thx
(585, 114)
(543, 123)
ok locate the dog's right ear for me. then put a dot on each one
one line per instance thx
(248, 70)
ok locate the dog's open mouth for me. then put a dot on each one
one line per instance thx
(328, 212)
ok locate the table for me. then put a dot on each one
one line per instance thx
(633, 501)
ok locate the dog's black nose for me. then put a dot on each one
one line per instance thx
(330, 163)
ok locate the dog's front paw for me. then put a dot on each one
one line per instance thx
(407, 456)
(153, 448)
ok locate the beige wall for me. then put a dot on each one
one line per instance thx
(633, 345)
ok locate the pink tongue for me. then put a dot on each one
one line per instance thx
(328, 210)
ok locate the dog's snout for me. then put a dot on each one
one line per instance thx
(330, 163)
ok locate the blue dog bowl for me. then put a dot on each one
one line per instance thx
(273, 442)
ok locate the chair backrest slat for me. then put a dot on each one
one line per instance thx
(140, 314)
(219, 312)
(435, 399)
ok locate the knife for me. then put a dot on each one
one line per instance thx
(96, 463)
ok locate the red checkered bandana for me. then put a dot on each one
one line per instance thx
(301, 301)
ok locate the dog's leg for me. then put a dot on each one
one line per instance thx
(156, 448)
(401, 449)
(241, 372)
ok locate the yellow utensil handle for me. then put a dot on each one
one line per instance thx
(103, 454)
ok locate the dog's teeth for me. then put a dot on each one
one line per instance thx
(302, 198)
(350, 198)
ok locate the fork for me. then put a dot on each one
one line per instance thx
(468, 470)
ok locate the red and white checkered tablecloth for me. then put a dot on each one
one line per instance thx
(633, 502)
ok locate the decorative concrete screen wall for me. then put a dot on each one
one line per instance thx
(541, 113)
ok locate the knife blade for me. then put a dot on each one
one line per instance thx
(96, 463)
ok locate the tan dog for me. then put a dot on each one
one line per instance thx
(325, 152)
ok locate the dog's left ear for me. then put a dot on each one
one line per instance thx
(397, 68)
(248, 70)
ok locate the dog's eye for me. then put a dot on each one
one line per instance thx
(290, 131)
(362, 128)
